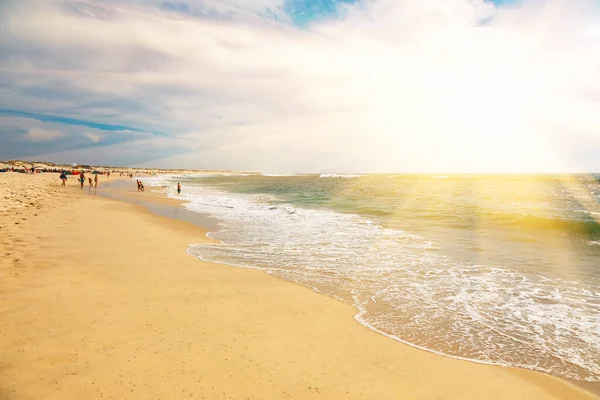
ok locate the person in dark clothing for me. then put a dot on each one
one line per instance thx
(63, 178)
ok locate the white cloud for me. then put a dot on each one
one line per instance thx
(95, 138)
(43, 135)
(399, 85)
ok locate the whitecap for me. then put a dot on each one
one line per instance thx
(339, 176)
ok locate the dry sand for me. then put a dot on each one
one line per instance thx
(99, 300)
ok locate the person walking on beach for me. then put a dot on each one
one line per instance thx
(96, 181)
(82, 179)
(90, 182)
(178, 188)
(63, 178)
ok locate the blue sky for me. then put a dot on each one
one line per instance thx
(67, 121)
(304, 86)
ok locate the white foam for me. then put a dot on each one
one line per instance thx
(279, 175)
(339, 176)
(405, 287)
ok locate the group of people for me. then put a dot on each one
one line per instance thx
(93, 183)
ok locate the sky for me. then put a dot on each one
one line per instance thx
(303, 85)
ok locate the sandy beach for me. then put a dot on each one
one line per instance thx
(98, 299)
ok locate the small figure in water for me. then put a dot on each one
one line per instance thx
(96, 181)
(63, 178)
(90, 181)
(178, 188)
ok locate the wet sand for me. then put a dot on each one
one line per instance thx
(155, 202)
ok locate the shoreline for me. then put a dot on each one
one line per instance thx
(241, 316)
(208, 224)
(159, 197)
(589, 387)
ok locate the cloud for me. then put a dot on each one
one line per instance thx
(43, 135)
(16, 145)
(382, 85)
(93, 137)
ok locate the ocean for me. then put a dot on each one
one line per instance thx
(498, 269)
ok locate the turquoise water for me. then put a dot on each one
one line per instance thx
(494, 269)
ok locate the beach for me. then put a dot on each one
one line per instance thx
(99, 299)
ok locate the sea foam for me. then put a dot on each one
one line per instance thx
(339, 176)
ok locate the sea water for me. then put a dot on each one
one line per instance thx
(495, 269)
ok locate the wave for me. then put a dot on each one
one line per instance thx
(339, 176)
(577, 227)
(278, 175)
(570, 221)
